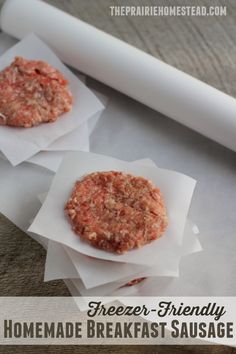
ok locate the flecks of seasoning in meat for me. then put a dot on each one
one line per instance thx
(32, 92)
(116, 212)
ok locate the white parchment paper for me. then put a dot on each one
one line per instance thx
(95, 272)
(58, 263)
(79, 137)
(77, 140)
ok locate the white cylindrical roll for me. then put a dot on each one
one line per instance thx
(125, 68)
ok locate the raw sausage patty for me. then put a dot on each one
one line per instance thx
(32, 92)
(116, 212)
(134, 282)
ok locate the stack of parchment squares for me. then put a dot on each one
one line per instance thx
(46, 144)
(93, 271)
(39, 167)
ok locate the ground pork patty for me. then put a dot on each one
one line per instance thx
(135, 281)
(32, 92)
(116, 212)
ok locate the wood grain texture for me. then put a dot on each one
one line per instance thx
(117, 350)
(201, 46)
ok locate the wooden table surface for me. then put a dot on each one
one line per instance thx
(203, 47)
